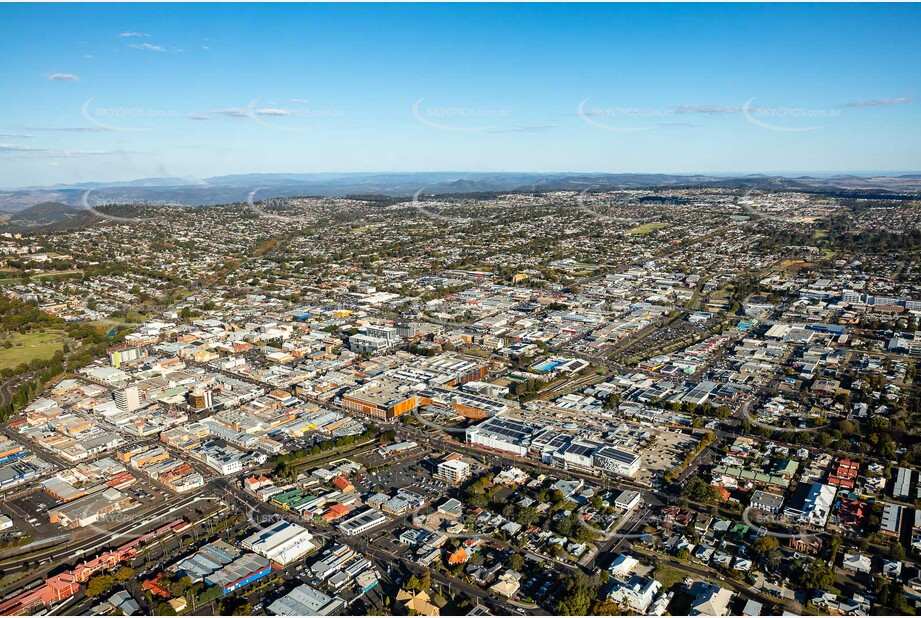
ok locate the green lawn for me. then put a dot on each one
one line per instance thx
(668, 577)
(48, 275)
(30, 346)
(647, 228)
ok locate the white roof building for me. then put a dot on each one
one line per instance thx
(282, 542)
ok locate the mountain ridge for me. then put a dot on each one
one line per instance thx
(238, 187)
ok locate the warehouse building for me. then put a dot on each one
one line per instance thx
(307, 601)
(207, 560)
(282, 542)
(90, 508)
(364, 521)
(244, 570)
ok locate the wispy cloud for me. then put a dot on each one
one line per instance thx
(19, 148)
(69, 129)
(130, 34)
(275, 111)
(878, 102)
(15, 135)
(88, 56)
(148, 47)
(198, 117)
(82, 153)
(64, 77)
(710, 110)
(233, 112)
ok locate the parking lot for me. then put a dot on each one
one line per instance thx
(667, 453)
(29, 512)
(30, 515)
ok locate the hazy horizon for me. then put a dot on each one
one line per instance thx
(119, 92)
(721, 174)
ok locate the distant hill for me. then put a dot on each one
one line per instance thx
(45, 214)
(237, 188)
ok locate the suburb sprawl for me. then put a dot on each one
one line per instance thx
(666, 401)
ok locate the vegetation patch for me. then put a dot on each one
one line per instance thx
(19, 348)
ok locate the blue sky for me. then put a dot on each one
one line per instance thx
(113, 92)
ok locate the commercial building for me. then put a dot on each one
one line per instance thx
(282, 542)
(307, 601)
(364, 521)
(124, 354)
(767, 502)
(371, 346)
(627, 499)
(207, 560)
(90, 508)
(223, 459)
(396, 448)
(244, 570)
(476, 406)
(503, 433)
(453, 471)
(201, 398)
(617, 461)
(467, 404)
(891, 521)
(128, 399)
(382, 399)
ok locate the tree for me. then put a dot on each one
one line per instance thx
(576, 598)
(124, 574)
(765, 544)
(527, 516)
(817, 576)
(414, 584)
(897, 552)
(180, 586)
(516, 562)
(698, 490)
(210, 594)
(99, 585)
(605, 608)
(234, 606)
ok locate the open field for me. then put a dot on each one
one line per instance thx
(47, 275)
(30, 346)
(647, 228)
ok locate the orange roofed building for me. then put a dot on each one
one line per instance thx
(343, 484)
(155, 587)
(335, 512)
(459, 557)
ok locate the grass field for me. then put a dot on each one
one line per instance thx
(647, 228)
(48, 275)
(29, 347)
